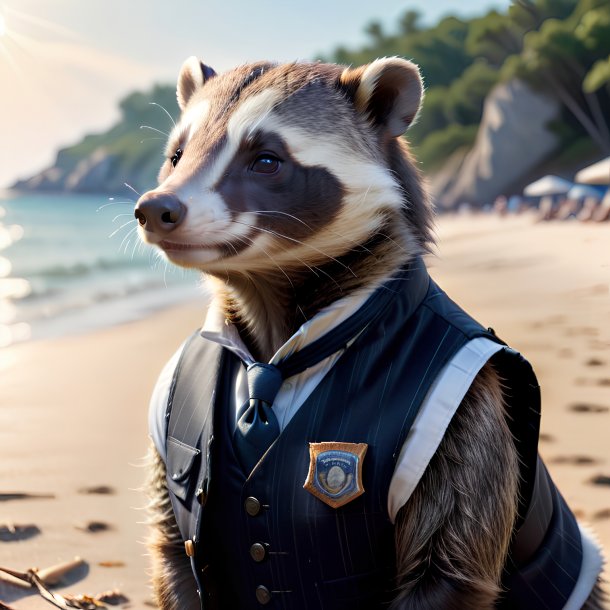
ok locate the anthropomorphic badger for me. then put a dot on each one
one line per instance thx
(339, 434)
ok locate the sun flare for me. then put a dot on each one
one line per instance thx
(2, 26)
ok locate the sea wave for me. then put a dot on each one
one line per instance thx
(81, 269)
(70, 299)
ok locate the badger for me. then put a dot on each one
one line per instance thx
(339, 433)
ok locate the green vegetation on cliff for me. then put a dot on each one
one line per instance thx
(131, 151)
(558, 47)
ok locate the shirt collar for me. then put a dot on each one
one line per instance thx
(219, 329)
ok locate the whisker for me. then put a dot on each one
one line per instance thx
(141, 250)
(127, 240)
(269, 231)
(135, 247)
(330, 277)
(243, 238)
(127, 236)
(312, 269)
(315, 270)
(132, 189)
(119, 216)
(283, 214)
(106, 205)
(392, 240)
(301, 312)
(154, 258)
(163, 133)
(121, 227)
(357, 245)
(233, 247)
(164, 110)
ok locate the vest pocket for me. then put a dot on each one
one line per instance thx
(181, 473)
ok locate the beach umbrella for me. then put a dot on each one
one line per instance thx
(580, 191)
(598, 173)
(549, 185)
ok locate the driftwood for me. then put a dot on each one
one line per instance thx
(41, 580)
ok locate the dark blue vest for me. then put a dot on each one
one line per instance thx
(263, 539)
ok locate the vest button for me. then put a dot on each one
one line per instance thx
(263, 595)
(201, 496)
(258, 552)
(189, 547)
(252, 506)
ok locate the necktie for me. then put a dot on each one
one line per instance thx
(258, 427)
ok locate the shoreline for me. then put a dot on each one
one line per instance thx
(73, 410)
(73, 413)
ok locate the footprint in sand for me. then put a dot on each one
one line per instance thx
(19, 495)
(573, 460)
(588, 408)
(600, 479)
(93, 527)
(605, 381)
(594, 362)
(12, 532)
(112, 598)
(582, 331)
(101, 490)
(602, 514)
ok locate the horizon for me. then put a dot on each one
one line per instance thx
(67, 66)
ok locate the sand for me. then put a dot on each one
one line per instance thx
(73, 410)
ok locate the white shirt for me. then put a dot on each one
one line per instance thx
(428, 428)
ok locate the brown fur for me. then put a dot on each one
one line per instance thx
(172, 578)
(453, 557)
(271, 303)
(452, 536)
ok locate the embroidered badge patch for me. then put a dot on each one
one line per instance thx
(335, 472)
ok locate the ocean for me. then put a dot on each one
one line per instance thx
(74, 263)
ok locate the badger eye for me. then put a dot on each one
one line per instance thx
(176, 157)
(265, 163)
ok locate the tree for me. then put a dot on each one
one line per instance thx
(598, 76)
(375, 31)
(409, 23)
(557, 58)
(466, 95)
(494, 37)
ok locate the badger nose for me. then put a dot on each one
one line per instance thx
(159, 213)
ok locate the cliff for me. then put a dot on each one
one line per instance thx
(130, 152)
(512, 140)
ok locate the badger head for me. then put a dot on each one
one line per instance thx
(288, 166)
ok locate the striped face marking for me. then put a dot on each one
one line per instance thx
(275, 169)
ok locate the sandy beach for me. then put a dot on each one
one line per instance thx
(73, 410)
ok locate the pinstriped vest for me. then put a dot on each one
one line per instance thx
(263, 540)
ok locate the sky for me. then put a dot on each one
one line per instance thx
(64, 64)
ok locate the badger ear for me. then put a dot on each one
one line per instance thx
(193, 75)
(388, 91)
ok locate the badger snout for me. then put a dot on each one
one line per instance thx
(159, 213)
